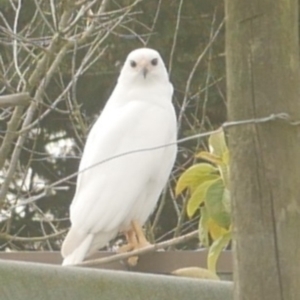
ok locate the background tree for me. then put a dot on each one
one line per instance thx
(66, 55)
(262, 50)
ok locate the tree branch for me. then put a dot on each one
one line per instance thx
(19, 99)
(150, 248)
(9, 237)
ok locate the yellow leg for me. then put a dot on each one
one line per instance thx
(131, 242)
(136, 240)
(142, 241)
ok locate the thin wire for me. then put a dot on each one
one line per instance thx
(280, 116)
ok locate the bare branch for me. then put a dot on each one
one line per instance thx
(21, 99)
(188, 84)
(10, 135)
(175, 36)
(151, 248)
(12, 238)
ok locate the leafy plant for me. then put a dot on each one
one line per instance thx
(207, 184)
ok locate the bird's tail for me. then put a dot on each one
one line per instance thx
(75, 247)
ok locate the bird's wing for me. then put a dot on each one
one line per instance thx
(106, 193)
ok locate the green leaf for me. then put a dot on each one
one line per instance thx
(217, 160)
(215, 231)
(198, 197)
(214, 203)
(194, 176)
(203, 227)
(217, 143)
(216, 249)
(225, 157)
(224, 171)
(226, 200)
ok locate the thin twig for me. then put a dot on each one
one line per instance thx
(151, 248)
(15, 43)
(175, 36)
(189, 81)
(9, 237)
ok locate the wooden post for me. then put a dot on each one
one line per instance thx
(262, 50)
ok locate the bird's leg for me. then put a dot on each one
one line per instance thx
(139, 242)
(131, 242)
(140, 236)
(136, 240)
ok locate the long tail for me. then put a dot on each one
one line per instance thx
(75, 255)
(78, 244)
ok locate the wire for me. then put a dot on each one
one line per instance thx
(273, 117)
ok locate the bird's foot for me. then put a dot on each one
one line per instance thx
(132, 242)
(136, 240)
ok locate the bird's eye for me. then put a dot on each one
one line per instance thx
(133, 63)
(154, 61)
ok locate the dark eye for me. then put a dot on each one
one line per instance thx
(133, 63)
(154, 61)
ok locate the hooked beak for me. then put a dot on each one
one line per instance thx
(145, 72)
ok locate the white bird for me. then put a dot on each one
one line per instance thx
(120, 181)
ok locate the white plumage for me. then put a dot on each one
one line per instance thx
(111, 195)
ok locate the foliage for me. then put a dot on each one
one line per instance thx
(209, 194)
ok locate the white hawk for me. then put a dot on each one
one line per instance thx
(123, 169)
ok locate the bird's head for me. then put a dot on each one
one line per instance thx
(144, 65)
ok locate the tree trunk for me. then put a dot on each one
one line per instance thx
(263, 78)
